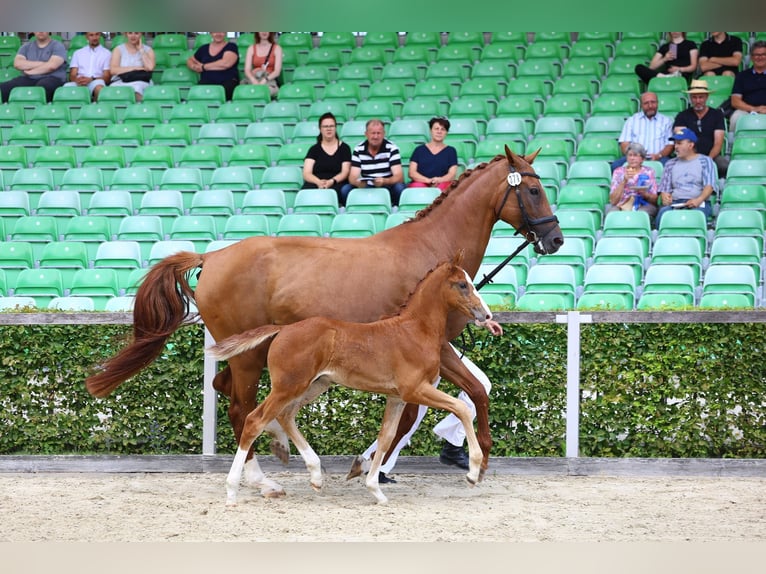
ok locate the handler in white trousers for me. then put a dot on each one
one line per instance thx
(449, 428)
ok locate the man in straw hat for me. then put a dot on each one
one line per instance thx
(707, 123)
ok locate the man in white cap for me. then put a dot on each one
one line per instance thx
(707, 123)
(688, 180)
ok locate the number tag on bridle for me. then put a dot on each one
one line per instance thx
(514, 178)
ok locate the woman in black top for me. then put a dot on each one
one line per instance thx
(678, 57)
(328, 161)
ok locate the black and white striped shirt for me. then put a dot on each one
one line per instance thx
(378, 165)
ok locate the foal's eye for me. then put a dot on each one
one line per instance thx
(463, 285)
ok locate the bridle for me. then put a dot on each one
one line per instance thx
(514, 184)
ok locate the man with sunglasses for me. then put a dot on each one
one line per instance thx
(707, 123)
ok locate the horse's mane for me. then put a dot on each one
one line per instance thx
(455, 183)
(406, 303)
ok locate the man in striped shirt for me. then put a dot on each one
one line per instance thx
(689, 179)
(376, 162)
(649, 128)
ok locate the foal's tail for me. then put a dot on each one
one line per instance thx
(242, 342)
(161, 305)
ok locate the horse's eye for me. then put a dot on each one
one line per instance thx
(534, 191)
(463, 285)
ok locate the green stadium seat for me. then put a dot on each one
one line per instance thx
(737, 250)
(237, 113)
(614, 104)
(553, 279)
(578, 223)
(53, 116)
(145, 114)
(108, 158)
(500, 247)
(606, 125)
(749, 148)
(176, 136)
(388, 41)
(455, 73)
(187, 180)
(598, 148)
(57, 158)
(746, 171)
(375, 201)
(254, 156)
(143, 229)
(30, 97)
(211, 95)
(218, 203)
(623, 251)
(40, 284)
(66, 256)
(192, 114)
(30, 136)
(678, 250)
(293, 153)
(77, 136)
(353, 225)
(305, 224)
(15, 256)
(270, 203)
(59, 204)
(751, 125)
(611, 278)
(575, 253)
(671, 278)
(397, 218)
(581, 85)
(122, 256)
(158, 158)
(167, 204)
(100, 115)
(543, 302)
(661, 301)
(731, 278)
(739, 222)
(744, 196)
(242, 226)
(91, 230)
(165, 97)
(414, 199)
(323, 202)
(504, 282)
(288, 178)
(74, 303)
(689, 222)
(180, 76)
(504, 51)
(199, 229)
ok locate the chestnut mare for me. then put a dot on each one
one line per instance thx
(281, 280)
(397, 356)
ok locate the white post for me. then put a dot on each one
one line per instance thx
(209, 399)
(573, 320)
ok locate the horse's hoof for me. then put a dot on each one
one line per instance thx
(274, 494)
(356, 468)
(281, 451)
(470, 481)
(316, 487)
(481, 475)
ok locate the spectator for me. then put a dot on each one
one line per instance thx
(634, 185)
(42, 62)
(748, 95)
(720, 55)
(376, 162)
(649, 128)
(263, 61)
(216, 63)
(677, 57)
(707, 123)
(90, 65)
(434, 164)
(132, 64)
(689, 179)
(449, 428)
(328, 161)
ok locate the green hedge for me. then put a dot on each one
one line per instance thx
(648, 390)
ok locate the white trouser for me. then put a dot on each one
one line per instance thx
(449, 428)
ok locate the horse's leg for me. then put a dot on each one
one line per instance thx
(240, 381)
(287, 421)
(433, 397)
(453, 369)
(253, 426)
(391, 416)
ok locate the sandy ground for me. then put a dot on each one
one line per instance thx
(422, 508)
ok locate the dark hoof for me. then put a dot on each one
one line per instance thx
(356, 468)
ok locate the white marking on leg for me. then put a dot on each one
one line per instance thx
(234, 476)
(255, 477)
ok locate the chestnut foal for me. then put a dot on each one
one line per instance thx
(397, 356)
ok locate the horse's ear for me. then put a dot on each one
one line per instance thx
(530, 158)
(458, 259)
(510, 155)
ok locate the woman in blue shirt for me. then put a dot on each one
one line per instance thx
(434, 164)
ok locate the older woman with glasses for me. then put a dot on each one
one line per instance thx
(634, 185)
(434, 164)
(328, 161)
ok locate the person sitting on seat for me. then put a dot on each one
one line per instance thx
(649, 128)
(216, 63)
(434, 164)
(90, 66)
(688, 180)
(720, 55)
(677, 57)
(707, 123)
(376, 162)
(42, 62)
(132, 64)
(748, 95)
(328, 161)
(263, 61)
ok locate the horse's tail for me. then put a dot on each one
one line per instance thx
(242, 342)
(161, 305)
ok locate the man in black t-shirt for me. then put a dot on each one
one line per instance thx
(720, 55)
(707, 123)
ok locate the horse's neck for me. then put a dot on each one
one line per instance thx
(464, 220)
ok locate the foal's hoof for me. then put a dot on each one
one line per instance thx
(356, 468)
(470, 482)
